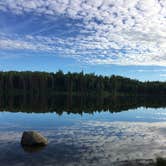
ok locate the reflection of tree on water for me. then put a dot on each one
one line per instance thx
(77, 103)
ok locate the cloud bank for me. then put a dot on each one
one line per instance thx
(122, 32)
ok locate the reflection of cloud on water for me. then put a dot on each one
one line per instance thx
(127, 140)
(91, 143)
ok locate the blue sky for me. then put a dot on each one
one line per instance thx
(121, 37)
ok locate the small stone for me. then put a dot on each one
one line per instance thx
(33, 138)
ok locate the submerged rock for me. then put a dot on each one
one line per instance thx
(33, 138)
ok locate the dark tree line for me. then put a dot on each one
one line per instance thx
(40, 83)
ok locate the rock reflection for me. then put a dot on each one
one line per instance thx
(32, 149)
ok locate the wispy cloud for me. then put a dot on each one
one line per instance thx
(121, 32)
(151, 70)
(162, 75)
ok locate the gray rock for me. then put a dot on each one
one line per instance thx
(33, 138)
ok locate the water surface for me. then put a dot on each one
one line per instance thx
(83, 131)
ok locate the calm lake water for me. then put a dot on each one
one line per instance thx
(92, 133)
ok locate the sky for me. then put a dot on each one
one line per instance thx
(121, 37)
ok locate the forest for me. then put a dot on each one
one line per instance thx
(42, 83)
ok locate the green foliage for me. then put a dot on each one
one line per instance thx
(37, 83)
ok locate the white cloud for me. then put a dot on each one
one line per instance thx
(162, 75)
(16, 44)
(133, 32)
(151, 70)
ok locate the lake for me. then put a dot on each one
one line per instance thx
(83, 130)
